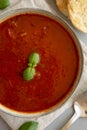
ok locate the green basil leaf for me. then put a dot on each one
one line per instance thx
(4, 4)
(31, 125)
(34, 59)
(29, 73)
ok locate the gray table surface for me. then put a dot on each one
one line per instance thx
(80, 124)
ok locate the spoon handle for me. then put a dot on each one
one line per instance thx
(71, 121)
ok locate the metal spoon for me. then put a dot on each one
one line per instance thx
(80, 107)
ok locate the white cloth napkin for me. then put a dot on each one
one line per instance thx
(44, 121)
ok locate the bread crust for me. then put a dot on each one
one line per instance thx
(62, 5)
(77, 10)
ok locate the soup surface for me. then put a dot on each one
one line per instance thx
(55, 74)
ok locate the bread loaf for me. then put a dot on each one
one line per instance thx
(62, 5)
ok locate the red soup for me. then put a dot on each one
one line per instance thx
(55, 73)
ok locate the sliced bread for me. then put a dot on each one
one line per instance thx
(77, 10)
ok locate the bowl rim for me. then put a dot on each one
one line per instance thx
(69, 29)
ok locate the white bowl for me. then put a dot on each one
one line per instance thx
(69, 29)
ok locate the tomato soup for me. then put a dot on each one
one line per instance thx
(55, 73)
